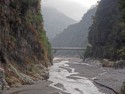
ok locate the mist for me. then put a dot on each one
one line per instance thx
(72, 9)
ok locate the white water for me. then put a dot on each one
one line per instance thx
(82, 85)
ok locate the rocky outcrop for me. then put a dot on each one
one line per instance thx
(107, 63)
(24, 48)
(120, 64)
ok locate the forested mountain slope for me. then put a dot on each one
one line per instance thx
(24, 48)
(55, 22)
(75, 35)
(106, 35)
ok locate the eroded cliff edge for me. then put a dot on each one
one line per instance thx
(24, 48)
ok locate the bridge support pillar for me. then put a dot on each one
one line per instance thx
(80, 52)
(54, 51)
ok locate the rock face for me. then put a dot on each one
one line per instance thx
(106, 35)
(55, 21)
(75, 35)
(24, 47)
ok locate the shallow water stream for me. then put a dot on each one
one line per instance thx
(61, 76)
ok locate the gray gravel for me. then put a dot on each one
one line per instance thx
(112, 78)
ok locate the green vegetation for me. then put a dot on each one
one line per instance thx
(24, 47)
(47, 45)
(122, 36)
(106, 34)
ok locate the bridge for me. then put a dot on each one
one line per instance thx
(80, 50)
(68, 48)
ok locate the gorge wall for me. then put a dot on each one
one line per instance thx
(107, 33)
(106, 36)
(24, 48)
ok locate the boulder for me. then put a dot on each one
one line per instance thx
(107, 63)
(119, 64)
(123, 88)
(26, 79)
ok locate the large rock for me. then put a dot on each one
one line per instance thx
(107, 63)
(119, 64)
(123, 88)
(25, 78)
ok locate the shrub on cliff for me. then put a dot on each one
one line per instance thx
(24, 48)
(107, 33)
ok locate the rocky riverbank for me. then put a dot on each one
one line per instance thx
(105, 79)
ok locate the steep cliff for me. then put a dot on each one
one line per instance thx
(107, 33)
(122, 36)
(24, 47)
(106, 36)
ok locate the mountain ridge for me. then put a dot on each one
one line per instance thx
(54, 21)
(74, 34)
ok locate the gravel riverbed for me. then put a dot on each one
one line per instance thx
(72, 76)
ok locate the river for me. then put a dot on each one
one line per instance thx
(72, 76)
(61, 74)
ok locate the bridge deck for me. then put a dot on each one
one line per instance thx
(68, 48)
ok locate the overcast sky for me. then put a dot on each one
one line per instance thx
(72, 8)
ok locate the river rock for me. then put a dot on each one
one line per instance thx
(107, 63)
(123, 88)
(119, 64)
(16, 85)
(25, 78)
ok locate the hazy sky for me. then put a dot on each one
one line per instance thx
(72, 8)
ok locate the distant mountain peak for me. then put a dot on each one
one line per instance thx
(75, 35)
(55, 21)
